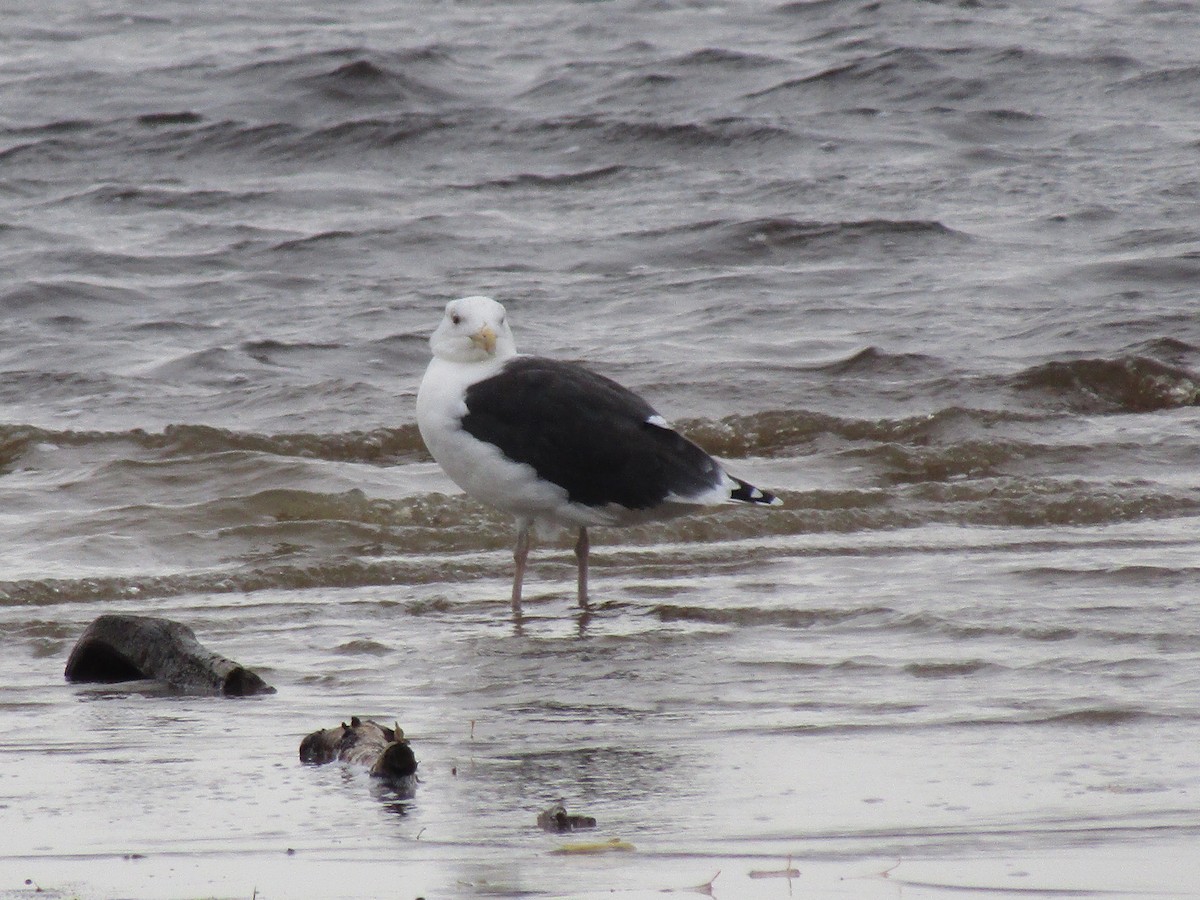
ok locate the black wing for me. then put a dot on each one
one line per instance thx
(585, 433)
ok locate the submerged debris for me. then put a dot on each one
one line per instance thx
(385, 751)
(556, 818)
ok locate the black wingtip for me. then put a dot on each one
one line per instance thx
(748, 493)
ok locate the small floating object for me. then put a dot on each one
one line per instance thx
(786, 872)
(609, 846)
(789, 872)
(556, 818)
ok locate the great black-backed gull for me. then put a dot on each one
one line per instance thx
(552, 441)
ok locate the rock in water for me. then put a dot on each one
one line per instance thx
(118, 648)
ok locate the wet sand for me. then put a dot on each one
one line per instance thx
(879, 761)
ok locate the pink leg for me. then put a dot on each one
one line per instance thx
(581, 557)
(520, 555)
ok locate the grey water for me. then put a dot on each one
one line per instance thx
(927, 270)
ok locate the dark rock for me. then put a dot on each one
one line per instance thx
(117, 648)
(556, 818)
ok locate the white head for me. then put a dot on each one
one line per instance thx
(474, 329)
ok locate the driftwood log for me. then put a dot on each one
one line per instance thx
(384, 751)
(133, 648)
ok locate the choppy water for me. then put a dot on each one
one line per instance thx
(927, 270)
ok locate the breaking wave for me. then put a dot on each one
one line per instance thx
(1125, 384)
(380, 446)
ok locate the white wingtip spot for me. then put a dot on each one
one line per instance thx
(658, 421)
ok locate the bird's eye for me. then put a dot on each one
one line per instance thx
(455, 318)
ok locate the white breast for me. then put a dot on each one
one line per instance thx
(479, 468)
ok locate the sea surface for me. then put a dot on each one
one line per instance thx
(928, 270)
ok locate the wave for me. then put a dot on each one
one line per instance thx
(770, 434)
(1101, 716)
(937, 78)
(747, 242)
(1123, 384)
(1171, 82)
(323, 104)
(417, 76)
(291, 538)
(57, 126)
(882, 618)
(725, 58)
(755, 616)
(70, 295)
(363, 80)
(1097, 717)
(358, 135)
(330, 574)
(774, 433)
(380, 446)
(935, 670)
(1042, 502)
(290, 141)
(926, 670)
(1175, 270)
(718, 133)
(273, 352)
(159, 198)
(372, 100)
(898, 73)
(1171, 349)
(872, 362)
(194, 136)
(558, 180)
(321, 241)
(985, 465)
(1161, 577)
(963, 631)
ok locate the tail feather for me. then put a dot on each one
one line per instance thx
(748, 493)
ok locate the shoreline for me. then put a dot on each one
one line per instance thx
(1160, 868)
